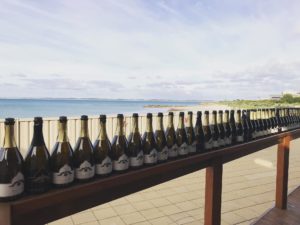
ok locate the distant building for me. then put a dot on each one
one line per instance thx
(276, 97)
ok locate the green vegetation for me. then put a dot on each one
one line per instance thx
(285, 100)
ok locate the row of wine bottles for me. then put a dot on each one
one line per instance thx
(40, 171)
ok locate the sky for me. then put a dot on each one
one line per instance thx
(158, 49)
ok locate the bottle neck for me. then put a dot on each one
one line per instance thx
(206, 120)
(214, 119)
(181, 122)
(238, 119)
(102, 134)
(258, 115)
(84, 129)
(159, 124)
(190, 120)
(199, 120)
(263, 115)
(135, 125)
(62, 132)
(170, 121)
(149, 127)
(220, 118)
(120, 127)
(251, 115)
(38, 138)
(9, 137)
(226, 118)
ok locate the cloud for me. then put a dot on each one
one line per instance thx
(151, 49)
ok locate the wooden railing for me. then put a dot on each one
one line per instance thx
(41, 209)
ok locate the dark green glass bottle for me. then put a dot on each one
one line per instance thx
(161, 141)
(191, 137)
(199, 133)
(119, 147)
(102, 151)
(207, 132)
(233, 128)
(37, 162)
(136, 156)
(61, 159)
(84, 154)
(228, 137)
(11, 165)
(239, 128)
(181, 136)
(221, 129)
(171, 137)
(149, 144)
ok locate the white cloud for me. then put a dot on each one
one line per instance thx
(137, 43)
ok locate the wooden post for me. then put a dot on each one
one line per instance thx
(282, 173)
(213, 193)
(5, 214)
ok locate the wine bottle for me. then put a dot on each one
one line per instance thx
(84, 154)
(11, 165)
(253, 124)
(233, 128)
(161, 141)
(119, 147)
(239, 128)
(221, 129)
(102, 151)
(171, 137)
(136, 156)
(260, 122)
(181, 136)
(228, 137)
(245, 125)
(37, 162)
(61, 159)
(287, 114)
(275, 121)
(191, 138)
(149, 144)
(199, 133)
(215, 130)
(279, 119)
(207, 132)
(270, 121)
(249, 124)
(264, 122)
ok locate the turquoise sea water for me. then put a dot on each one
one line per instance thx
(24, 108)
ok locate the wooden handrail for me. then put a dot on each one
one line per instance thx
(55, 204)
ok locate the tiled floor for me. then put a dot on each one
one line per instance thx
(248, 191)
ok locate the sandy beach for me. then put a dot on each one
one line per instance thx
(210, 106)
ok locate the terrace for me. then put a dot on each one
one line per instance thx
(176, 192)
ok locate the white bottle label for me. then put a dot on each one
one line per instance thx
(228, 140)
(121, 164)
(173, 152)
(105, 167)
(163, 155)
(192, 147)
(137, 160)
(64, 176)
(85, 171)
(240, 139)
(183, 149)
(222, 142)
(151, 157)
(209, 144)
(215, 144)
(15, 187)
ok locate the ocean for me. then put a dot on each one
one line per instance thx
(27, 108)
